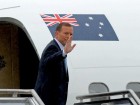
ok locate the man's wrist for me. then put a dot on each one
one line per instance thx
(64, 53)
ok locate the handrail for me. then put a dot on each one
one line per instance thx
(124, 92)
(37, 97)
(16, 92)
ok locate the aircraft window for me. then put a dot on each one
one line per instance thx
(121, 101)
(98, 87)
(135, 86)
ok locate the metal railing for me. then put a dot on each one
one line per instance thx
(123, 93)
(14, 94)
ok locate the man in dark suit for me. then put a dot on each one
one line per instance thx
(52, 80)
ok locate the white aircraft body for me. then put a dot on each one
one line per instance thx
(113, 61)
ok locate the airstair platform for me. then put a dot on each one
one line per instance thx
(19, 97)
(126, 97)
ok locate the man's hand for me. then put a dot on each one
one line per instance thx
(68, 47)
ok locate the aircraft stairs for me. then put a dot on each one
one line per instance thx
(126, 97)
(19, 97)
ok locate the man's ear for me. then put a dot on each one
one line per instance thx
(56, 33)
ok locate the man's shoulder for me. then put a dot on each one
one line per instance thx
(51, 44)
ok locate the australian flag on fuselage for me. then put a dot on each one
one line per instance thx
(86, 26)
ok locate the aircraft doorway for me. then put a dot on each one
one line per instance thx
(18, 58)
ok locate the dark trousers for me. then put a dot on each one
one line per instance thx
(55, 95)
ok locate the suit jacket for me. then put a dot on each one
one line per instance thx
(52, 80)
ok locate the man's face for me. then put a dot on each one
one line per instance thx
(64, 34)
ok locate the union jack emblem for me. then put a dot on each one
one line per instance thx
(51, 20)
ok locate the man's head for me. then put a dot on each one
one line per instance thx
(63, 32)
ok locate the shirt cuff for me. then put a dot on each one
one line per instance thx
(64, 54)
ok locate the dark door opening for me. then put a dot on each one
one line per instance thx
(19, 59)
